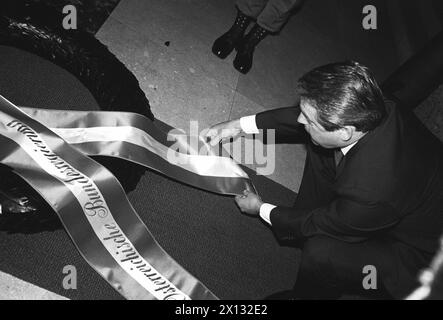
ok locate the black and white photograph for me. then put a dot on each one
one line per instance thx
(232, 152)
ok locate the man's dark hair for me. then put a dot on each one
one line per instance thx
(344, 93)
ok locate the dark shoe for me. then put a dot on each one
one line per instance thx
(245, 50)
(224, 45)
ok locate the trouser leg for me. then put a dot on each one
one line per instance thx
(331, 267)
(251, 8)
(276, 13)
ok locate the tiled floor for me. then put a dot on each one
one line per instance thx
(14, 288)
(167, 44)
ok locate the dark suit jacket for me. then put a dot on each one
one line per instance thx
(389, 184)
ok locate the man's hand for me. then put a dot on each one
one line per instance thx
(223, 131)
(249, 203)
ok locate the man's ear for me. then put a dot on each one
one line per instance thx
(347, 132)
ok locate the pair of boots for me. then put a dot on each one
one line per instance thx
(235, 38)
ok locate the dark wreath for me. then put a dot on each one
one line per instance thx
(37, 28)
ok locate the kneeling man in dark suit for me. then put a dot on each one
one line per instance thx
(371, 197)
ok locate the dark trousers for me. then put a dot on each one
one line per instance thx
(270, 14)
(331, 267)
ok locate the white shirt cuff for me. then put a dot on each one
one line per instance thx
(248, 125)
(265, 212)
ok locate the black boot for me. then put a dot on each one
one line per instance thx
(245, 50)
(224, 45)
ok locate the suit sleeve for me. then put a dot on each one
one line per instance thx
(344, 219)
(283, 121)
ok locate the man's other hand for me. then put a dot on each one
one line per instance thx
(222, 131)
(249, 203)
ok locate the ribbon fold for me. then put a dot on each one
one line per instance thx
(49, 149)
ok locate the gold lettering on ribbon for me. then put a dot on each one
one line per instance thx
(130, 255)
(95, 205)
